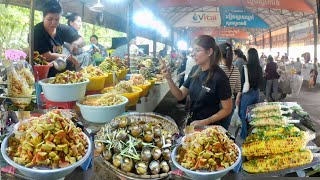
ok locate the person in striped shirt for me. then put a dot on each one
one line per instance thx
(232, 73)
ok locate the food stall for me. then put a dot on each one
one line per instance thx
(99, 123)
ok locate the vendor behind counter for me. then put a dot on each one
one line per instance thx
(50, 35)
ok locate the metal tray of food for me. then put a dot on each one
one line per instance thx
(315, 161)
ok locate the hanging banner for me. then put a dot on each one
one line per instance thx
(221, 33)
(239, 17)
(279, 38)
(301, 34)
(200, 19)
(291, 5)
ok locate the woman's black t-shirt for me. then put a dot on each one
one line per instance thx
(43, 42)
(205, 98)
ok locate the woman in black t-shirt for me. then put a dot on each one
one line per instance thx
(207, 85)
(49, 36)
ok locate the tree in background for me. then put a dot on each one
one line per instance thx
(14, 28)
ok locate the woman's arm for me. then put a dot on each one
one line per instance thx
(52, 56)
(224, 112)
(179, 94)
(79, 43)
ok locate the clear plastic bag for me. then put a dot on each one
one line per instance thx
(296, 83)
(235, 119)
(285, 82)
(17, 83)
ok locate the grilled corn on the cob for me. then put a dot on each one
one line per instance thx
(271, 131)
(278, 162)
(270, 121)
(261, 145)
(267, 107)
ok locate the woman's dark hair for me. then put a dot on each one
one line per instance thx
(227, 53)
(94, 37)
(270, 58)
(238, 53)
(244, 57)
(52, 6)
(254, 68)
(207, 42)
(72, 17)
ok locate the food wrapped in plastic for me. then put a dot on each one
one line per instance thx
(26, 72)
(17, 83)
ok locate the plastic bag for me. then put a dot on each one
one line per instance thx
(17, 83)
(296, 84)
(235, 119)
(285, 83)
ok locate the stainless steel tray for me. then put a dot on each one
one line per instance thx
(283, 172)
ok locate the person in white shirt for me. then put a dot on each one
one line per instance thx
(190, 63)
(298, 66)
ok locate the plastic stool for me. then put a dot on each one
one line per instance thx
(93, 92)
(60, 105)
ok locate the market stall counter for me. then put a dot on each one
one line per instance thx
(99, 168)
(155, 96)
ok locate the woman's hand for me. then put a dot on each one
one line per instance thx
(203, 122)
(75, 62)
(165, 72)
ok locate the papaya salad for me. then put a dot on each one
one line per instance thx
(108, 99)
(209, 150)
(68, 77)
(51, 140)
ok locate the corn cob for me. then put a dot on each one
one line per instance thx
(270, 131)
(264, 114)
(261, 145)
(268, 107)
(271, 121)
(278, 162)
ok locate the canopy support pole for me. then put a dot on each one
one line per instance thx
(154, 43)
(129, 26)
(315, 36)
(270, 39)
(31, 32)
(172, 37)
(288, 40)
(263, 41)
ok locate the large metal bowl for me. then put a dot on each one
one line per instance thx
(44, 173)
(204, 175)
(63, 92)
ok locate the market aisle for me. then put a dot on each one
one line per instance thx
(309, 99)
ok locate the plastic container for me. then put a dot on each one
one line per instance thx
(96, 83)
(101, 114)
(41, 71)
(99, 60)
(44, 173)
(109, 80)
(63, 92)
(145, 89)
(152, 81)
(123, 74)
(133, 98)
(204, 175)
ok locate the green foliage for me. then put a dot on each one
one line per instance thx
(14, 22)
(14, 28)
